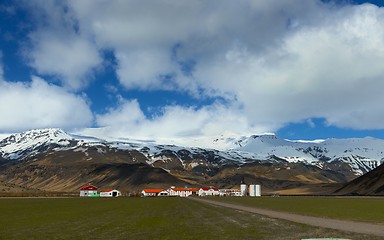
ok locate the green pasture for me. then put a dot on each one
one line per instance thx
(142, 218)
(367, 209)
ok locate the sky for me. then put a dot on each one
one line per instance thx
(181, 69)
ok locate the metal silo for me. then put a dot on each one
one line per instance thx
(252, 190)
(258, 190)
(243, 189)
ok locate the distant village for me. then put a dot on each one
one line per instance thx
(244, 190)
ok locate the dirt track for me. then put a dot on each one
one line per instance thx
(349, 226)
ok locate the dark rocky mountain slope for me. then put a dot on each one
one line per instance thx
(53, 160)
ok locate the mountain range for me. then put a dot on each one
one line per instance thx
(53, 160)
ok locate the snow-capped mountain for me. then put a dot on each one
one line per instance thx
(21, 145)
(53, 160)
(361, 155)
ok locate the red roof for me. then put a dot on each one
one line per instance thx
(184, 189)
(179, 189)
(108, 190)
(89, 187)
(153, 190)
(207, 189)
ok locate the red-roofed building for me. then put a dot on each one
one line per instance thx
(182, 192)
(110, 193)
(88, 191)
(172, 191)
(151, 192)
(211, 191)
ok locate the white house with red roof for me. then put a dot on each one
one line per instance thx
(163, 193)
(181, 192)
(211, 191)
(172, 191)
(88, 191)
(230, 192)
(110, 193)
(151, 192)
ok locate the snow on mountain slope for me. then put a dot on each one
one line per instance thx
(4, 135)
(362, 154)
(32, 142)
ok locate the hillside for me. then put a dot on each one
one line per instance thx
(371, 183)
(53, 160)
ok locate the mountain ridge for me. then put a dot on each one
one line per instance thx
(42, 152)
(362, 154)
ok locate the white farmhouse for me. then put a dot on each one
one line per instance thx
(88, 191)
(110, 193)
(151, 192)
(230, 192)
(163, 193)
(211, 191)
(181, 192)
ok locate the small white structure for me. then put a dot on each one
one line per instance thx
(254, 190)
(110, 193)
(88, 191)
(243, 189)
(211, 191)
(258, 190)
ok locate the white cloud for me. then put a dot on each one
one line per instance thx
(128, 113)
(71, 59)
(38, 105)
(180, 124)
(57, 47)
(330, 69)
(143, 69)
(282, 61)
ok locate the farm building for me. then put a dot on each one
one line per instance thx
(172, 191)
(110, 193)
(211, 191)
(245, 190)
(163, 193)
(88, 191)
(151, 192)
(254, 190)
(182, 192)
(230, 192)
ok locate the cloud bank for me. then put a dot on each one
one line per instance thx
(173, 121)
(39, 105)
(273, 62)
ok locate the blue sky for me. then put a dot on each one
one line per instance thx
(304, 69)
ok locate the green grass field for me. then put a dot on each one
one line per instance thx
(349, 208)
(142, 218)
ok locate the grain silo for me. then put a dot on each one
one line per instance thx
(252, 190)
(257, 190)
(243, 189)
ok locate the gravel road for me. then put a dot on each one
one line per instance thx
(343, 225)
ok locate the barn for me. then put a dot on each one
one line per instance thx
(110, 193)
(89, 191)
